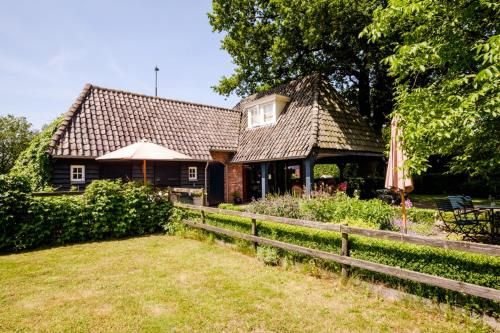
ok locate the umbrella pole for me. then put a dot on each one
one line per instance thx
(403, 206)
(144, 172)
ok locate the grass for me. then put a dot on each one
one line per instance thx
(167, 283)
(428, 200)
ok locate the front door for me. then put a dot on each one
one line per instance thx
(216, 183)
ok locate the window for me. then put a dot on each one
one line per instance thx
(261, 115)
(268, 113)
(193, 173)
(265, 110)
(77, 173)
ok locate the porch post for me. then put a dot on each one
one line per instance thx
(264, 178)
(308, 170)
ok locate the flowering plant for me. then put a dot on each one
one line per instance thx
(342, 187)
(408, 203)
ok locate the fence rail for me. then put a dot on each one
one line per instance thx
(344, 259)
(488, 249)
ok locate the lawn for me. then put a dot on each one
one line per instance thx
(428, 200)
(167, 283)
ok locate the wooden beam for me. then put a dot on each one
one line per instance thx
(309, 174)
(264, 178)
(463, 287)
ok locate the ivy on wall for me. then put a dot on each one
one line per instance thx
(34, 162)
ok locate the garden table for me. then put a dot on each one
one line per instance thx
(493, 225)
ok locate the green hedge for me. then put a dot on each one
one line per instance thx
(108, 209)
(467, 267)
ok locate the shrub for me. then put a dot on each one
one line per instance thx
(14, 206)
(108, 209)
(268, 255)
(276, 205)
(230, 206)
(341, 208)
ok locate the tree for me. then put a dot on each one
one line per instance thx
(271, 42)
(15, 136)
(446, 68)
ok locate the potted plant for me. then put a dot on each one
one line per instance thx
(236, 198)
(197, 198)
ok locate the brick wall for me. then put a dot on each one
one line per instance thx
(234, 175)
(235, 181)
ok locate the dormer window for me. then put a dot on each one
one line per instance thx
(265, 111)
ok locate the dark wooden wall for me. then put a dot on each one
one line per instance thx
(61, 172)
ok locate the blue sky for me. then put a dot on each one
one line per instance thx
(50, 49)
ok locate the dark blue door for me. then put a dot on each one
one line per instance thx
(215, 183)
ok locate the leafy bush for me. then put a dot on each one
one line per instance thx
(268, 255)
(14, 205)
(34, 163)
(230, 206)
(276, 205)
(108, 209)
(341, 208)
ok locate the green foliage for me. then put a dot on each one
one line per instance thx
(34, 162)
(446, 63)
(14, 203)
(326, 170)
(230, 206)
(108, 209)
(278, 205)
(268, 255)
(15, 135)
(372, 213)
(271, 42)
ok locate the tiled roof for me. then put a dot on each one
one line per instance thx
(103, 120)
(292, 136)
(342, 127)
(316, 117)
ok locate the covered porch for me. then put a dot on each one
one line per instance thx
(288, 176)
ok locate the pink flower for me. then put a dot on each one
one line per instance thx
(408, 203)
(342, 186)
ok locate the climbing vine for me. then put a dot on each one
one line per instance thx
(34, 162)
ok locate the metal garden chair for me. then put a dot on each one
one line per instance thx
(461, 221)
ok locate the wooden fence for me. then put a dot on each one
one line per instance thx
(344, 259)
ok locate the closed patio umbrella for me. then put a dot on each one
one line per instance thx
(396, 178)
(144, 151)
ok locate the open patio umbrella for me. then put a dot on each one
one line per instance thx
(144, 151)
(396, 180)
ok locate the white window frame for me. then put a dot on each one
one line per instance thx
(72, 174)
(257, 119)
(193, 176)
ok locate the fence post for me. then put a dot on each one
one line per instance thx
(344, 252)
(254, 232)
(203, 198)
(202, 216)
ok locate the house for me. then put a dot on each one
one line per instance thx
(268, 142)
